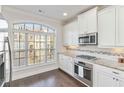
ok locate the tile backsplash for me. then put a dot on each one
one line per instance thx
(103, 51)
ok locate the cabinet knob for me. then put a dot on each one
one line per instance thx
(113, 78)
(117, 80)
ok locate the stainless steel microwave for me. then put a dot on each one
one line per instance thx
(88, 39)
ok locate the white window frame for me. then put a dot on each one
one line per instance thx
(42, 33)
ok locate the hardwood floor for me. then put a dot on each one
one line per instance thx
(54, 78)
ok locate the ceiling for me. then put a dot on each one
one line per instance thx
(54, 11)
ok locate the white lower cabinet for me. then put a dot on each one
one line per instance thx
(107, 77)
(104, 80)
(121, 82)
(66, 63)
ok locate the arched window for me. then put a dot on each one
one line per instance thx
(33, 44)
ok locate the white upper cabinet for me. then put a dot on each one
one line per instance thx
(82, 23)
(120, 26)
(87, 22)
(92, 20)
(106, 27)
(111, 27)
(70, 33)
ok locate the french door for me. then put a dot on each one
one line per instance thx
(33, 48)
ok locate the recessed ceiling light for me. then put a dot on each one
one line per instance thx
(65, 14)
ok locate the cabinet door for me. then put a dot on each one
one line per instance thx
(120, 25)
(70, 34)
(106, 27)
(65, 64)
(121, 82)
(74, 33)
(105, 80)
(82, 23)
(70, 66)
(66, 36)
(61, 61)
(92, 20)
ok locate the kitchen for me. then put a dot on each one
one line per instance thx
(80, 43)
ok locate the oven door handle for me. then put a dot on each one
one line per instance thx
(87, 68)
(83, 66)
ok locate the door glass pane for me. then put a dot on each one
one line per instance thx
(50, 30)
(37, 45)
(22, 45)
(22, 54)
(37, 27)
(29, 27)
(42, 55)
(37, 37)
(16, 36)
(37, 56)
(31, 57)
(20, 26)
(22, 61)
(50, 54)
(50, 41)
(42, 45)
(44, 28)
(42, 38)
(30, 45)
(22, 37)
(30, 37)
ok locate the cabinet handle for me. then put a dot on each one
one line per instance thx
(113, 78)
(115, 72)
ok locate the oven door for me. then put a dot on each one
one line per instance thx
(88, 74)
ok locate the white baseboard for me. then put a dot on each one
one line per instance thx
(31, 71)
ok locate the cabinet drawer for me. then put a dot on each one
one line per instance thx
(111, 71)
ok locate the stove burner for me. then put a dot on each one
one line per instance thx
(86, 57)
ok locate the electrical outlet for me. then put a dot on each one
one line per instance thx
(121, 60)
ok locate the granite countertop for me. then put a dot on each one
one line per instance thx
(110, 63)
(68, 54)
(101, 61)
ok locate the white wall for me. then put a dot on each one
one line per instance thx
(14, 16)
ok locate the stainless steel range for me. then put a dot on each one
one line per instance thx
(83, 70)
(86, 57)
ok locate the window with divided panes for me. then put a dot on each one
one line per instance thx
(33, 44)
